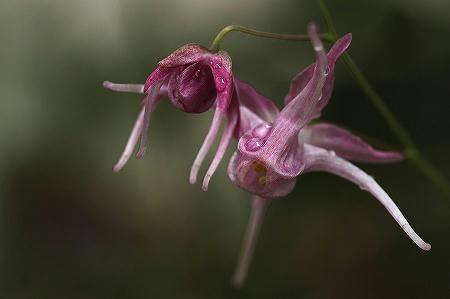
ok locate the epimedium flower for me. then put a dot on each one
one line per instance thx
(276, 147)
(195, 80)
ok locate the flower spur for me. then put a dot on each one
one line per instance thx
(193, 78)
(276, 147)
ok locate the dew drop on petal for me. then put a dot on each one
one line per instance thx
(197, 73)
(327, 70)
(261, 130)
(254, 144)
(217, 66)
(221, 83)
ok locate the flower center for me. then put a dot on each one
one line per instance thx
(258, 167)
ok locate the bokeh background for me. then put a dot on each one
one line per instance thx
(71, 228)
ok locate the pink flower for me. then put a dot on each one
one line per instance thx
(193, 78)
(276, 147)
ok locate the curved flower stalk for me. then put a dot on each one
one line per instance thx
(193, 78)
(276, 147)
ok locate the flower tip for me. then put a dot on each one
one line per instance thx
(117, 168)
(193, 174)
(140, 153)
(237, 282)
(107, 84)
(426, 246)
(206, 182)
(312, 27)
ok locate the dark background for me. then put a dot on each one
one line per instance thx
(71, 228)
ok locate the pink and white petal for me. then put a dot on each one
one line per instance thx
(300, 81)
(212, 133)
(300, 110)
(318, 159)
(187, 54)
(262, 106)
(221, 68)
(345, 144)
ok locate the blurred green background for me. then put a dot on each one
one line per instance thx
(71, 228)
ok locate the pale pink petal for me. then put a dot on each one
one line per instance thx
(230, 126)
(131, 143)
(262, 106)
(345, 144)
(137, 88)
(300, 110)
(259, 207)
(150, 102)
(212, 133)
(248, 120)
(277, 146)
(318, 159)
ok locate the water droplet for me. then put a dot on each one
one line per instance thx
(197, 73)
(217, 66)
(327, 70)
(261, 130)
(220, 83)
(320, 97)
(254, 144)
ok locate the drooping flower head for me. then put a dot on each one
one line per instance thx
(194, 79)
(276, 147)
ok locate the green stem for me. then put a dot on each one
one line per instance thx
(410, 148)
(297, 37)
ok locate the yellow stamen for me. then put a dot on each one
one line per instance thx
(258, 167)
(262, 179)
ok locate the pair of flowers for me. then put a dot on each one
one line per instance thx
(274, 147)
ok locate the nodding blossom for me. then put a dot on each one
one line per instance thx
(276, 147)
(194, 79)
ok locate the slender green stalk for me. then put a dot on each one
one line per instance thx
(297, 37)
(410, 148)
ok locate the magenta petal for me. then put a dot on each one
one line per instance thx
(318, 159)
(191, 88)
(157, 75)
(212, 133)
(230, 126)
(187, 54)
(220, 64)
(300, 81)
(262, 106)
(345, 144)
(131, 143)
